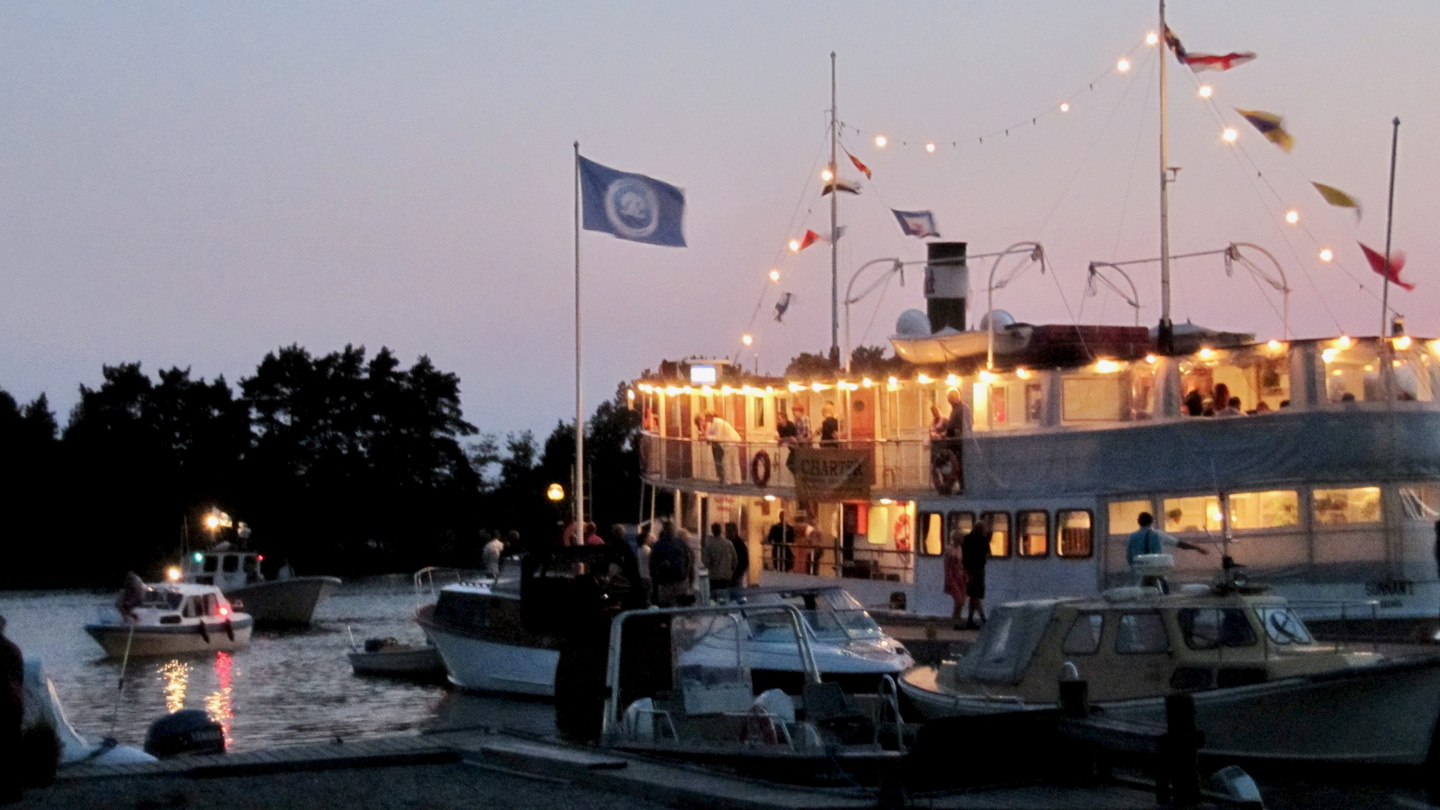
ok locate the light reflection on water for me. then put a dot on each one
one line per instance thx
(288, 687)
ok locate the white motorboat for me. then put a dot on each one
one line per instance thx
(478, 630)
(43, 708)
(392, 658)
(173, 618)
(286, 600)
(662, 700)
(1263, 688)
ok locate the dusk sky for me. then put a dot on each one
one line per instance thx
(198, 184)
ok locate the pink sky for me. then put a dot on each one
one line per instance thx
(195, 185)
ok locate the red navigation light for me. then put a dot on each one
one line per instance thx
(224, 611)
(260, 558)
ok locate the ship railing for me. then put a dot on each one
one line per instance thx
(1342, 623)
(861, 561)
(430, 579)
(899, 465)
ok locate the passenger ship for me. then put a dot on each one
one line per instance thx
(1328, 488)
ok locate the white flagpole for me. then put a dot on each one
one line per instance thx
(579, 482)
(1389, 221)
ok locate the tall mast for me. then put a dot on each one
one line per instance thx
(1165, 338)
(1389, 222)
(834, 217)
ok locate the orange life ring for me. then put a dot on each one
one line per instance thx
(760, 468)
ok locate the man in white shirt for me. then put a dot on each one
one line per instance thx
(719, 433)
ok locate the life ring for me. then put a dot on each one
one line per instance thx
(760, 468)
(902, 532)
(944, 470)
(204, 631)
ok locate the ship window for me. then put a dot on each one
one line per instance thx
(757, 407)
(999, 412)
(1195, 514)
(1125, 515)
(1343, 507)
(999, 523)
(1034, 403)
(1283, 627)
(1075, 538)
(211, 606)
(191, 609)
(1264, 510)
(212, 563)
(1092, 399)
(1420, 501)
(1209, 628)
(961, 522)
(231, 564)
(1350, 373)
(932, 527)
(1141, 633)
(1084, 635)
(1033, 539)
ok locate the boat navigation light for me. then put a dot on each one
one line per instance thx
(881, 140)
(1292, 216)
(198, 557)
(172, 573)
(1123, 65)
(1230, 134)
(224, 611)
(1326, 254)
(1152, 38)
(1206, 91)
(1403, 342)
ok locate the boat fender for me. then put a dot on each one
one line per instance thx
(760, 468)
(204, 631)
(230, 629)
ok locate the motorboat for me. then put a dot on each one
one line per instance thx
(1263, 687)
(392, 658)
(663, 701)
(286, 600)
(173, 618)
(43, 709)
(478, 628)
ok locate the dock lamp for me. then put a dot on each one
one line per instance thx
(555, 493)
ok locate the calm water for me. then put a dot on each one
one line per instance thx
(288, 687)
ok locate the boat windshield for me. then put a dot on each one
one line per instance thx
(830, 613)
(163, 600)
(1283, 626)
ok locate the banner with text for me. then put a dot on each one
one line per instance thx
(832, 474)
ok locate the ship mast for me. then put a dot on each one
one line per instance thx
(834, 230)
(1165, 337)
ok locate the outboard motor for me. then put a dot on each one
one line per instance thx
(188, 731)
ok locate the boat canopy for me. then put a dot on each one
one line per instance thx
(1004, 649)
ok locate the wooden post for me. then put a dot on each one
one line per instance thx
(1180, 755)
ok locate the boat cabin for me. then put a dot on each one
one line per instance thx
(1134, 642)
(225, 569)
(174, 603)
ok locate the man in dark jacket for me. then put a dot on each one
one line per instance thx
(742, 553)
(974, 553)
(12, 715)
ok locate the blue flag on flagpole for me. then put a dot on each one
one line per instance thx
(631, 206)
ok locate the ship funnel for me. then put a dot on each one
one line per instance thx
(947, 282)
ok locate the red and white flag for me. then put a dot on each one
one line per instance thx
(1210, 61)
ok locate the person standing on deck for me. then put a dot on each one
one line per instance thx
(12, 715)
(955, 579)
(742, 554)
(1149, 540)
(719, 558)
(974, 554)
(490, 556)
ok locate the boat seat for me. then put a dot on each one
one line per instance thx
(827, 706)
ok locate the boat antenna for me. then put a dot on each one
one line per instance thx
(834, 220)
(1165, 334)
(1389, 223)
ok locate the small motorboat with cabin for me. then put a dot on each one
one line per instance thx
(1263, 688)
(286, 600)
(478, 628)
(173, 618)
